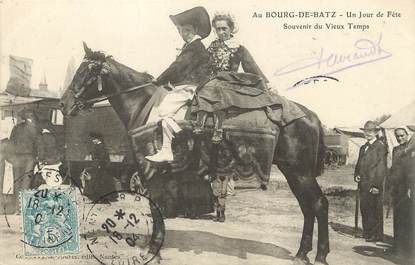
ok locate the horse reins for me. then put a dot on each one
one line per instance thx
(102, 98)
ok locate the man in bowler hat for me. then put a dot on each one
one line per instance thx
(370, 172)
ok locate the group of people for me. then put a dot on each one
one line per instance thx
(371, 172)
(208, 78)
(31, 147)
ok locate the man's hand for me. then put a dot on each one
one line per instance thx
(357, 179)
(409, 193)
(374, 190)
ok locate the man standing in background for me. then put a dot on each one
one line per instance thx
(24, 137)
(370, 172)
(408, 174)
(400, 191)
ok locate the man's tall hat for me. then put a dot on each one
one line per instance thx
(198, 17)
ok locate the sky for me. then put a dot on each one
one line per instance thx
(140, 34)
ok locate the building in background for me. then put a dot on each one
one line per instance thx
(43, 90)
(20, 76)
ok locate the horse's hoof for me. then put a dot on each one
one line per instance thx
(320, 263)
(152, 260)
(301, 261)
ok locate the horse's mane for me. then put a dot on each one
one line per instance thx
(129, 76)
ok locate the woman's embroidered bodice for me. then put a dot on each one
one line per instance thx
(221, 56)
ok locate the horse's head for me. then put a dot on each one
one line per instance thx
(97, 77)
(86, 83)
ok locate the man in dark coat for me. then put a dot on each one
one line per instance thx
(189, 70)
(48, 152)
(102, 181)
(370, 172)
(24, 138)
(400, 191)
(408, 175)
(49, 160)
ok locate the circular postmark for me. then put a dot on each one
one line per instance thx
(123, 227)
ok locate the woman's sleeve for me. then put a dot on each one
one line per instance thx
(249, 65)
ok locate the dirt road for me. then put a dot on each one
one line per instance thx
(262, 227)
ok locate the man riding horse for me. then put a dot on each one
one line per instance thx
(183, 76)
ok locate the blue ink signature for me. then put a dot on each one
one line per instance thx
(313, 79)
(365, 51)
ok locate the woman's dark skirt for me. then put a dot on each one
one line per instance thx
(229, 89)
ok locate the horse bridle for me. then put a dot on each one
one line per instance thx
(81, 104)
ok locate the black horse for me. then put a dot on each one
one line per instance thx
(299, 152)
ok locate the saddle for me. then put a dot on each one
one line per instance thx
(246, 152)
(250, 138)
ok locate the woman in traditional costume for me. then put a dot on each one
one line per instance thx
(228, 89)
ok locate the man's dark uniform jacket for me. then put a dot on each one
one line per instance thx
(371, 165)
(407, 223)
(372, 169)
(399, 184)
(191, 67)
(409, 165)
(48, 149)
(24, 137)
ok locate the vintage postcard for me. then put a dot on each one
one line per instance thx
(190, 132)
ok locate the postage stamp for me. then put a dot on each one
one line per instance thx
(124, 228)
(49, 222)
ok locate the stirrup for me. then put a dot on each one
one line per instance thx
(217, 136)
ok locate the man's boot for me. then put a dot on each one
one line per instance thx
(218, 117)
(165, 154)
(217, 217)
(200, 122)
(222, 216)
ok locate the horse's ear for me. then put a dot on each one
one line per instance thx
(88, 51)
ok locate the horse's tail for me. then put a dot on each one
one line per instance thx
(321, 151)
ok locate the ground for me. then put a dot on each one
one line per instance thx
(262, 227)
